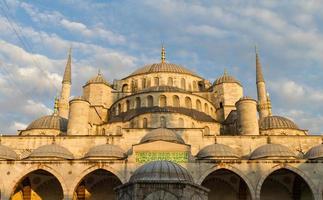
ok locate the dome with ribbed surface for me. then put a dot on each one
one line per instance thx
(161, 170)
(51, 151)
(7, 153)
(217, 151)
(162, 67)
(315, 152)
(105, 151)
(98, 79)
(276, 122)
(226, 78)
(272, 151)
(162, 134)
(49, 122)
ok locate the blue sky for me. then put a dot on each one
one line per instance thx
(120, 36)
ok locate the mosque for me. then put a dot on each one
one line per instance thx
(162, 133)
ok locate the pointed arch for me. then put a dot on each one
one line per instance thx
(294, 170)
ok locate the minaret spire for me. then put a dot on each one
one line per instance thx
(259, 75)
(67, 78)
(163, 54)
(63, 103)
(264, 104)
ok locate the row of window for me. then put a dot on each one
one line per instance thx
(146, 83)
(162, 102)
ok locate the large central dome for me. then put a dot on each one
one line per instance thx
(162, 67)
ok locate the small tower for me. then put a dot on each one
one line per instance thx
(264, 107)
(63, 104)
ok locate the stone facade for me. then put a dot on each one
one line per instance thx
(162, 112)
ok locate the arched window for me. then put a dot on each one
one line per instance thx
(206, 130)
(125, 88)
(119, 108)
(118, 130)
(206, 108)
(138, 102)
(188, 102)
(144, 83)
(128, 105)
(162, 101)
(134, 85)
(183, 83)
(103, 131)
(162, 122)
(150, 101)
(211, 110)
(198, 105)
(170, 81)
(156, 81)
(180, 122)
(221, 105)
(144, 123)
(176, 101)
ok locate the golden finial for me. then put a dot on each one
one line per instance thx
(56, 106)
(163, 54)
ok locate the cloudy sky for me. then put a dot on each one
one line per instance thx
(120, 36)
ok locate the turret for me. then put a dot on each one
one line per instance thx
(63, 104)
(78, 123)
(247, 116)
(227, 91)
(264, 107)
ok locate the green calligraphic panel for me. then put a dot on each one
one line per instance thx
(177, 157)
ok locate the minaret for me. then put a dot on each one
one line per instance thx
(264, 107)
(63, 104)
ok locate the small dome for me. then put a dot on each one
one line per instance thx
(315, 152)
(7, 153)
(272, 151)
(105, 151)
(162, 134)
(276, 122)
(225, 78)
(217, 151)
(98, 79)
(49, 122)
(162, 67)
(51, 151)
(161, 170)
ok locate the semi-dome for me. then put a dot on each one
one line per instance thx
(162, 67)
(272, 151)
(226, 78)
(7, 153)
(105, 151)
(162, 134)
(276, 122)
(98, 79)
(51, 151)
(217, 151)
(161, 170)
(315, 152)
(49, 122)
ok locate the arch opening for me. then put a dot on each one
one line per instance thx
(226, 185)
(97, 185)
(285, 184)
(39, 185)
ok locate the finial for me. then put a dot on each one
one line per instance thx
(256, 49)
(163, 54)
(268, 140)
(99, 72)
(225, 72)
(56, 106)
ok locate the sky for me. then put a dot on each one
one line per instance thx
(118, 37)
